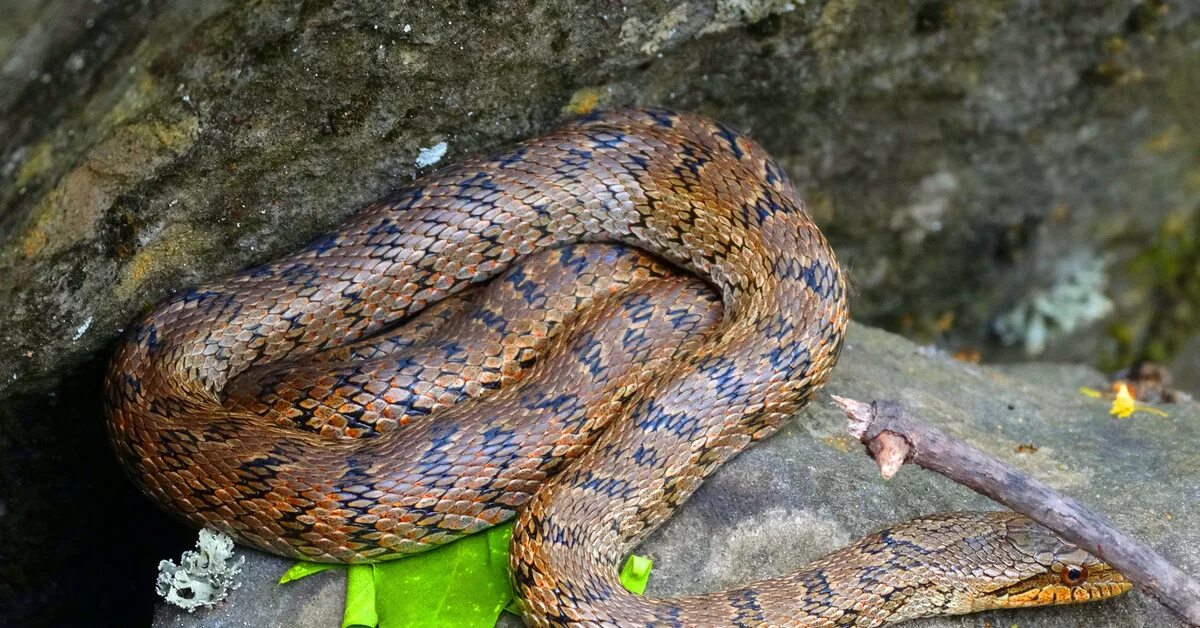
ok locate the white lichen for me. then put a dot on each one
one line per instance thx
(931, 199)
(650, 38)
(431, 155)
(1075, 297)
(203, 577)
(735, 13)
(83, 327)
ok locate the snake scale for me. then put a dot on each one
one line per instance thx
(513, 337)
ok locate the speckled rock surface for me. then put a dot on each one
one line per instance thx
(966, 159)
(951, 150)
(810, 489)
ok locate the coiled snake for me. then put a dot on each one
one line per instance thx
(372, 395)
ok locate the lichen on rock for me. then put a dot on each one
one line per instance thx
(203, 577)
(1075, 298)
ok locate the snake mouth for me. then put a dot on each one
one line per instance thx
(1100, 583)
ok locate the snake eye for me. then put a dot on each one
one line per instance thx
(1073, 576)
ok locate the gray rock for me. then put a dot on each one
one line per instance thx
(810, 489)
(159, 144)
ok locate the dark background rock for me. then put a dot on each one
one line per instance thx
(963, 157)
(811, 488)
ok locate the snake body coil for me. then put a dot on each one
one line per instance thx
(372, 396)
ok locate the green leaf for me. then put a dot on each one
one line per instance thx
(361, 599)
(636, 573)
(464, 583)
(302, 569)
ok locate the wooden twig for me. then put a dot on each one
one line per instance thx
(894, 436)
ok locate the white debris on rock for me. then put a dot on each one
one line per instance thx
(1075, 298)
(83, 327)
(431, 155)
(203, 577)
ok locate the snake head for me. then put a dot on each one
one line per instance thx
(965, 562)
(1031, 566)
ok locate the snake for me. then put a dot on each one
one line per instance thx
(572, 332)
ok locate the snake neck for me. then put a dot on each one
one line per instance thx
(932, 566)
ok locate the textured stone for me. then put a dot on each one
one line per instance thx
(811, 489)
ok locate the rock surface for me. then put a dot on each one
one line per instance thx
(950, 149)
(810, 489)
(966, 159)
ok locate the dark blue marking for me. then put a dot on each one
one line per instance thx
(210, 301)
(512, 157)
(610, 487)
(322, 244)
(542, 401)
(405, 362)
(132, 383)
(591, 116)
(767, 205)
(776, 327)
(148, 336)
(655, 418)
(641, 162)
(387, 226)
(662, 117)
(818, 275)
(890, 541)
(559, 534)
(453, 352)
(265, 466)
(747, 605)
(491, 320)
(198, 297)
(588, 351)
(874, 573)
(404, 198)
(356, 480)
(773, 172)
(791, 357)
(612, 254)
(357, 471)
(788, 268)
(260, 271)
(638, 307)
(478, 181)
(297, 271)
(723, 372)
(693, 160)
(542, 208)
(435, 458)
(570, 258)
(634, 337)
(259, 463)
(816, 586)
(499, 442)
(528, 289)
(682, 318)
(578, 157)
(607, 139)
(731, 136)
(646, 456)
